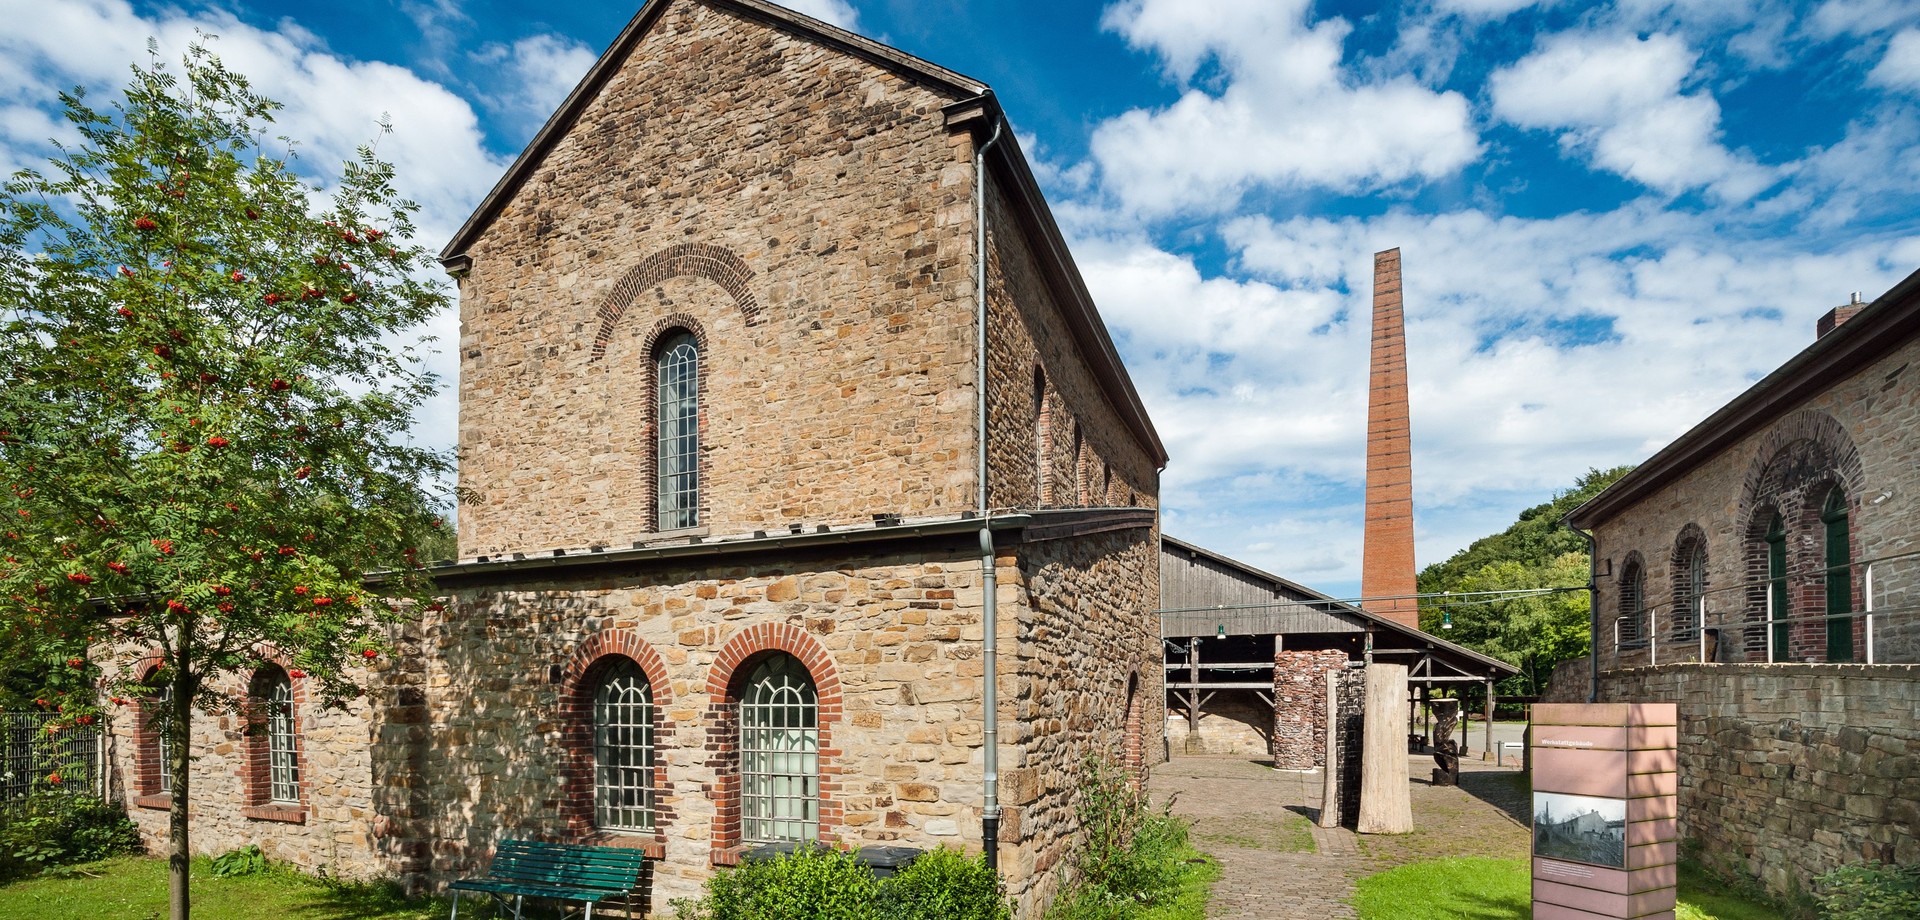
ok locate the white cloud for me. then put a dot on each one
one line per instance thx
(537, 72)
(837, 12)
(1900, 66)
(1862, 17)
(1289, 113)
(1488, 9)
(333, 106)
(1618, 101)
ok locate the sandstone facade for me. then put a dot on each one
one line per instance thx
(801, 203)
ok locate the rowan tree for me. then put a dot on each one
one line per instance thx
(210, 367)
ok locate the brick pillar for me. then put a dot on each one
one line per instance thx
(1300, 707)
(1387, 558)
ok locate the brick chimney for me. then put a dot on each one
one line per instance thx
(1836, 316)
(1386, 562)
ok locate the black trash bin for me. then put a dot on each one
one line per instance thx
(884, 861)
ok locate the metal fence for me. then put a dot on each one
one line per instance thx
(1784, 619)
(30, 755)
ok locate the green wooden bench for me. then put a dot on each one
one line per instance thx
(531, 869)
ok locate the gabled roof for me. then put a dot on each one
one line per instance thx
(1892, 320)
(558, 124)
(975, 108)
(1346, 610)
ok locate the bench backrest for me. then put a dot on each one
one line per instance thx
(611, 868)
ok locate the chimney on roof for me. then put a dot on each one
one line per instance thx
(1386, 560)
(1836, 316)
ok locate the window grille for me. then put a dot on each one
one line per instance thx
(1633, 593)
(623, 750)
(779, 753)
(1777, 594)
(162, 719)
(283, 757)
(677, 451)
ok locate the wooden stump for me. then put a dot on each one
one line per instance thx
(1386, 802)
(1330, 790)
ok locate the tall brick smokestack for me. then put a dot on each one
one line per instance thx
(1386, 562)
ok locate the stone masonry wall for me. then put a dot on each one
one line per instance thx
(807, 215)
(1788, 771)
(333, 832)
(1862, 434)
(1086, 641)
(1300, 707)
(1025, 333)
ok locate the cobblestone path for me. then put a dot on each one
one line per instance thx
(1277, 865)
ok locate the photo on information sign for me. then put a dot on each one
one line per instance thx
(1581, 828)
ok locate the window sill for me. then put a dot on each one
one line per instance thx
(728, 856)
(158, 801)
(285, 814)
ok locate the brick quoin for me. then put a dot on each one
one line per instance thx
(579, 679)
(723, 728)
(1387, 568)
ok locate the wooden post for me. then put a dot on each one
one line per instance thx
(1486, 754)
(1193, 693)
(1386, 804)
(1330, 784)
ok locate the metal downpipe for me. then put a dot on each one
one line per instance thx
(989, 597)
(1593, 614)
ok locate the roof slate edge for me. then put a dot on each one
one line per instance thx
(1880, 327)
(454, 254)
(1344, 608)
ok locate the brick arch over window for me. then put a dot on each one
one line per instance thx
(1805, 448)
(734, 663)
(700, 260)
(580, 677)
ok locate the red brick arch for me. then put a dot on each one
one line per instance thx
(723, 729)
(577, 684)
(714, 263)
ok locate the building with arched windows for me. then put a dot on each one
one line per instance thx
(728, 466)
(1763, 571)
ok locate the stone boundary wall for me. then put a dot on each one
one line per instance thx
(1789, 771)
(1300, 707)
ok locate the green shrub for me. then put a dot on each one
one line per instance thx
(248, 860)
(57, 828)
(1130, 857)
(814, 882)
(944, 885)
(1870, 891)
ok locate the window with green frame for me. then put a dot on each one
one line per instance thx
(1778, 608)
(1839, 578)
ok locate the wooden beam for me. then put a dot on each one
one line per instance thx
(1386, 804)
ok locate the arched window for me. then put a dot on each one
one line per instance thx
(1633, 602)
(779, 752)
(1079, 468)
(1839, 578)
(623, 749)
(1689, 583)
(283, 741)
(677, 445)
(1778, 606)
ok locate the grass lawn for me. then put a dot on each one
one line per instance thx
(135, 888)
(1499, 889)
(1191, 904)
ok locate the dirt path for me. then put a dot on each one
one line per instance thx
(1276, 865)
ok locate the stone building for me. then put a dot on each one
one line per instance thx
(721, 578)
(1762, 571)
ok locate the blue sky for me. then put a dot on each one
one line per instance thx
(1613, 216)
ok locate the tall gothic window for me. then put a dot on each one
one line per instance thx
(1839, 578)
(283, 744)
(1689, 583)
(623, 749)
(1042, 438)
(779, 752)
(1778, 607)
(677, 451)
